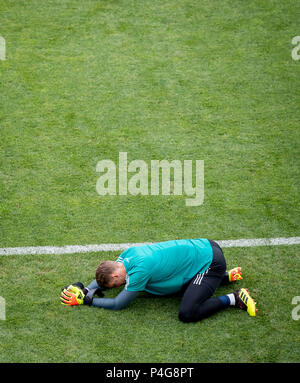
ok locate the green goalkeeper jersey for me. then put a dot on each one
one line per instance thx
(163, 268)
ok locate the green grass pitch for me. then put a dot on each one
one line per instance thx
(83, 81)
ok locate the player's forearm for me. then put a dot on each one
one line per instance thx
(94, 285)
(121, 301)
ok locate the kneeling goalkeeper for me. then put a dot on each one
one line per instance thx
(194, 266)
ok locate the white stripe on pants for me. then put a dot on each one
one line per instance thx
(199, 277)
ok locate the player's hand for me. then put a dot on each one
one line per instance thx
(99, 292)
(78, 284)
(72, 296)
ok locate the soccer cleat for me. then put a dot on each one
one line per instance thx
(235, 274)
(244, 301)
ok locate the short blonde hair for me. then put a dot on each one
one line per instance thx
(104, 271)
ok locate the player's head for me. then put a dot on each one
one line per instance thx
(110, 274)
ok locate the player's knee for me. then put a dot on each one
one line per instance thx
(186, 315)
(191, 315)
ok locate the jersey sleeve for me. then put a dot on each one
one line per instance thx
(118, 303)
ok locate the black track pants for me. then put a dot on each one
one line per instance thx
(197, 303)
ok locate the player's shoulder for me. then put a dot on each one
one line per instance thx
(127, 255)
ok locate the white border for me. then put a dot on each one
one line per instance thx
(73, 249)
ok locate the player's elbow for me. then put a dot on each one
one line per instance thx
(118, 308)
(119, 305)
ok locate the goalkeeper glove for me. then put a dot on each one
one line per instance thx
(77, 294)
(72, 296)
(98, 291)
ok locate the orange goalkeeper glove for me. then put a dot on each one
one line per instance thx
(72, 296)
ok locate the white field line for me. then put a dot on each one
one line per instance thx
(123, 246)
